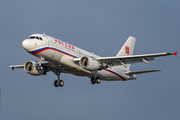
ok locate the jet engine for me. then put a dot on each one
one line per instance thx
(33, 68)
(89, 63)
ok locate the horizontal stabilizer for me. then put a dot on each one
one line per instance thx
(141, 72)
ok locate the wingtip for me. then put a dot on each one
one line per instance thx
(175, 54)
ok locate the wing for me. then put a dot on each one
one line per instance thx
(130, 59)
(16, 66)
(141, 72)
(48, 66)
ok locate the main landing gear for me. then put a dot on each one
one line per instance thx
(58, 82)
(95, 80)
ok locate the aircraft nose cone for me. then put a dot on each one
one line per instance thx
(26, 45)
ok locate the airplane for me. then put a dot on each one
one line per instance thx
(61, 57)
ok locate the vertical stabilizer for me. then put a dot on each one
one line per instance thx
(127, 49)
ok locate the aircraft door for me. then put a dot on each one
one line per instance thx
(50, 42)
(80, 54)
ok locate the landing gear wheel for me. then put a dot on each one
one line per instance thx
(61, 83)
(93, 81)
(98, 80)
(39, 67)
(58, 83)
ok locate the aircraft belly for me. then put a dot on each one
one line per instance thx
(72, 67)
(113, 75)
(73, 71)
(105, 75)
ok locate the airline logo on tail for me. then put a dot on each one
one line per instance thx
(127, 50)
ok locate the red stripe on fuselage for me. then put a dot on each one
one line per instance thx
(42, 50)
(54, 50)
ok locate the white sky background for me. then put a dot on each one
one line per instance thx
(100, 26)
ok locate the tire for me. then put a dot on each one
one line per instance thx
(98, 80)
(56, 83)
(61, 83)
(93, 81)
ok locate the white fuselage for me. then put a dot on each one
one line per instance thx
(61, 54)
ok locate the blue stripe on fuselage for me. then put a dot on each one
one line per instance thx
(51, 48)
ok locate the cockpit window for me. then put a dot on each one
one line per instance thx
(35, 37)
(32, 37)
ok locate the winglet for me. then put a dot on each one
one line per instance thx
(175, 53)
(12, 68)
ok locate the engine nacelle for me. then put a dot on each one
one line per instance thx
(31, 68)
(89, 63)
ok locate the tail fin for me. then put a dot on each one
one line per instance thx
(127, 49)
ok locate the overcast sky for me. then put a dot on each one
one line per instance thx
(102, 27)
